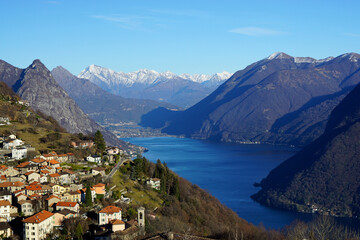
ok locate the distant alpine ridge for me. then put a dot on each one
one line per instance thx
(181, 90)
(278, 100)
(102, 106)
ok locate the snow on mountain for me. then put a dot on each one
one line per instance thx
(281, 55)
(99, 74)
(182, 90)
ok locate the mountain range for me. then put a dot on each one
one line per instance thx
(325, 175)
(278, 100)
(102, 106)
(36, 85)
(181, 90)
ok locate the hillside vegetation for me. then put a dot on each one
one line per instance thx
(33, 127)
(179, 205)
(325, 176)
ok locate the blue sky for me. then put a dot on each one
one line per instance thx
(198, 36)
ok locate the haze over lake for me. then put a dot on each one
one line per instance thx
(227, 171)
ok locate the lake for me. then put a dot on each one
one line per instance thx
(227, 171)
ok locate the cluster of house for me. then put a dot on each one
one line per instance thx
(110, 223)
(47, 193)
(40, 186)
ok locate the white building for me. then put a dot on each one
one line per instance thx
(154, 183)
(12, 143)
(109, 213)
(94, 159)
(19, 153)
(5, 209)
(6, 195)
(38, 226)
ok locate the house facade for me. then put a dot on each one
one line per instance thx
(109, 213)
(38, 226)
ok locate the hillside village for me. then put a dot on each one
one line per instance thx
(44, 191)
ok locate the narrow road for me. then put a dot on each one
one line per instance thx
(113, 171)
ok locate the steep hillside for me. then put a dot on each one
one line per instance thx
(36, 85)
(325, 175)
(100, 105)
(280, 99)
(181, 90)
(33, 127)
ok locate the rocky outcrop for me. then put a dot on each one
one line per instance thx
(36, 85)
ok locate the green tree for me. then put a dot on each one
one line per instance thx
(79, 231)
(88, 197)
(99, 142)
(175, 190)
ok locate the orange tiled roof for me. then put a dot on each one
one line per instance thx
(38, 160)
(66, 204)
(34, 183)
(4, 203)
(52, 154)
(54, 175)
(62, 155)
(34, 196)
(39, 217)
(28, 173)
(45, 171)
(99, 185)
(51, 197)
(70, 154)
(34, 187)
(3, 167)
(53, 162)
(18, 184)
(68, 171)
(116, 222)
(110, 210)
(24, 164)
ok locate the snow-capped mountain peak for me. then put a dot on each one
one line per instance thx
(99, 74)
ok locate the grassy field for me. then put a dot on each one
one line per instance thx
(139, 194)
(32, 135)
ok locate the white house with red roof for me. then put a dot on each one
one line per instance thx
(72, 206)
(38, 226)
(109, 213)
(5, 209)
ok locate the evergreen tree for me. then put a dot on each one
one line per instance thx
(79, 231)
(88, 197)
(99, 142)
(138, 168)
(158, 169)
(175, 190)
(146, 166)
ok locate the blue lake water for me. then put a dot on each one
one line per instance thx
(227, 171)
